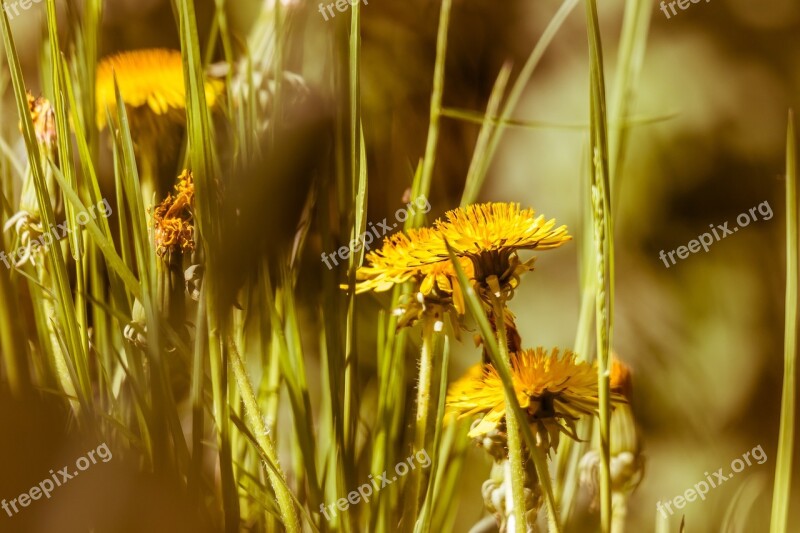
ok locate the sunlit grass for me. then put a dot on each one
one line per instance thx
(235, 373)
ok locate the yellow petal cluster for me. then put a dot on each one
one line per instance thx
(406, 257)
(499, 227)
(548, 386)
(149, 79)
(485, 237)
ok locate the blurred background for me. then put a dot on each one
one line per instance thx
(703, 337)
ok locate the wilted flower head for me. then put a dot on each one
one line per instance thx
(151, 84)
(173, 219)
(553, 390)
(43, 117)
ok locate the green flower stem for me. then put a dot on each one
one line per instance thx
(429, 351)
(515, 451)
(619, 512)
(515, 459)
(259, 428)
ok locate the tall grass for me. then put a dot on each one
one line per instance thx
(104, 340)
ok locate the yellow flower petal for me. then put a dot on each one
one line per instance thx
(151, 79)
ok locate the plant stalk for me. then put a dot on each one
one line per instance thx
(515, 449)
(426, 357)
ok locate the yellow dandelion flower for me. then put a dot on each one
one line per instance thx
(553, 390)
(173, 219)
(490, 234)
(149, 80)
(407, 257)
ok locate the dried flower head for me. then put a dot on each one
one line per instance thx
(44, 119)
(173, 219)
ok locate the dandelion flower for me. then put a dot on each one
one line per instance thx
(490, 235)
(552, 390)
(408, 257)
(173, 219)
(151, 84)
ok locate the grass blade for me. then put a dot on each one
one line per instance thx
(783, 464)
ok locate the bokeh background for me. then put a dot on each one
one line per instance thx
(703, 337)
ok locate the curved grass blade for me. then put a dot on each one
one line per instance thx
(781, 493)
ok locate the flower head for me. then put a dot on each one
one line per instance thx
(151, 84)
(44, 119)
(173, 220)
(407, 257)
(553, 390)
(490, 235)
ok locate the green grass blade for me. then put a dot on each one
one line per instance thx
(518, 88)
(65, 309)
(255, 419)
(429, 160)
(781, 492)
(630, 58)
(474, 179)
(604, 249)
(97, 233)
(13, 346)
